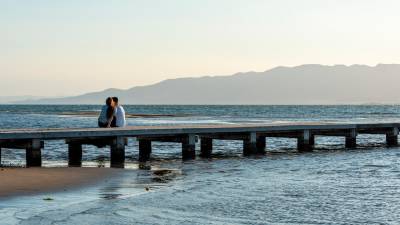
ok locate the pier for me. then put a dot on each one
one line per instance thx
(253, 137)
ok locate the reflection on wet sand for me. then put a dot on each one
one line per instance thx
(136, 181)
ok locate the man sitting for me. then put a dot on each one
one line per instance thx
(120, 114)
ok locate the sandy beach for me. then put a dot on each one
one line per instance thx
(25, 181)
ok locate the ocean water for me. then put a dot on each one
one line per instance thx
(331, 185)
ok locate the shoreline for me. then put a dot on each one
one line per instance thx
(30, 181)
(127, 115)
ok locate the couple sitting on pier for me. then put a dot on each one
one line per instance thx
(112, 114)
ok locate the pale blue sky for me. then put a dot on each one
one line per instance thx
(70, 47)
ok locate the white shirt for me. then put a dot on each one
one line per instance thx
(120, 116)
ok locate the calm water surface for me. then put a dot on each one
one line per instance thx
(328, 186)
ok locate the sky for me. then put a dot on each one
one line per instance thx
(62, 48)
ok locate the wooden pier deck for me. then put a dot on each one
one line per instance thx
(253, 137)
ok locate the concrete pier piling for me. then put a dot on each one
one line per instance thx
(189, 147)
(144, 150)
(117, 156)
(206, 147)
(253, 137)
(74, 154)
(250, 144)
(351, 139)
(261, 144)
(392, 137)
(304, 142)
(34, 153)
(312, 141)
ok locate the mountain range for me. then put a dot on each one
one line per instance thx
(305, 84)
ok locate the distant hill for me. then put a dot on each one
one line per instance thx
(11, 99)
(306, 84)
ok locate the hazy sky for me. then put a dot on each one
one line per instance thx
(51, 47)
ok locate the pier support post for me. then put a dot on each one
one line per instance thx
(189, 147)
(305, 142)
(391, 137)
(351, 139)
(206, 146)
(0, 156)
(117, 153)
(261, 144)
(34, 154)
(250, 144)
(144, 150)
(74, 155)
(312, 141)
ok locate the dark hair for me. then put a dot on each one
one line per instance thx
(110, 112)
(115, 99)
(109, 101)
(110, 108)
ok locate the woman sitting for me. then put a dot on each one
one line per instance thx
(107, 114)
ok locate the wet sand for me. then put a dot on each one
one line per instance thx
(26, 181)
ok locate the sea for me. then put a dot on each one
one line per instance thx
(331, 185)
